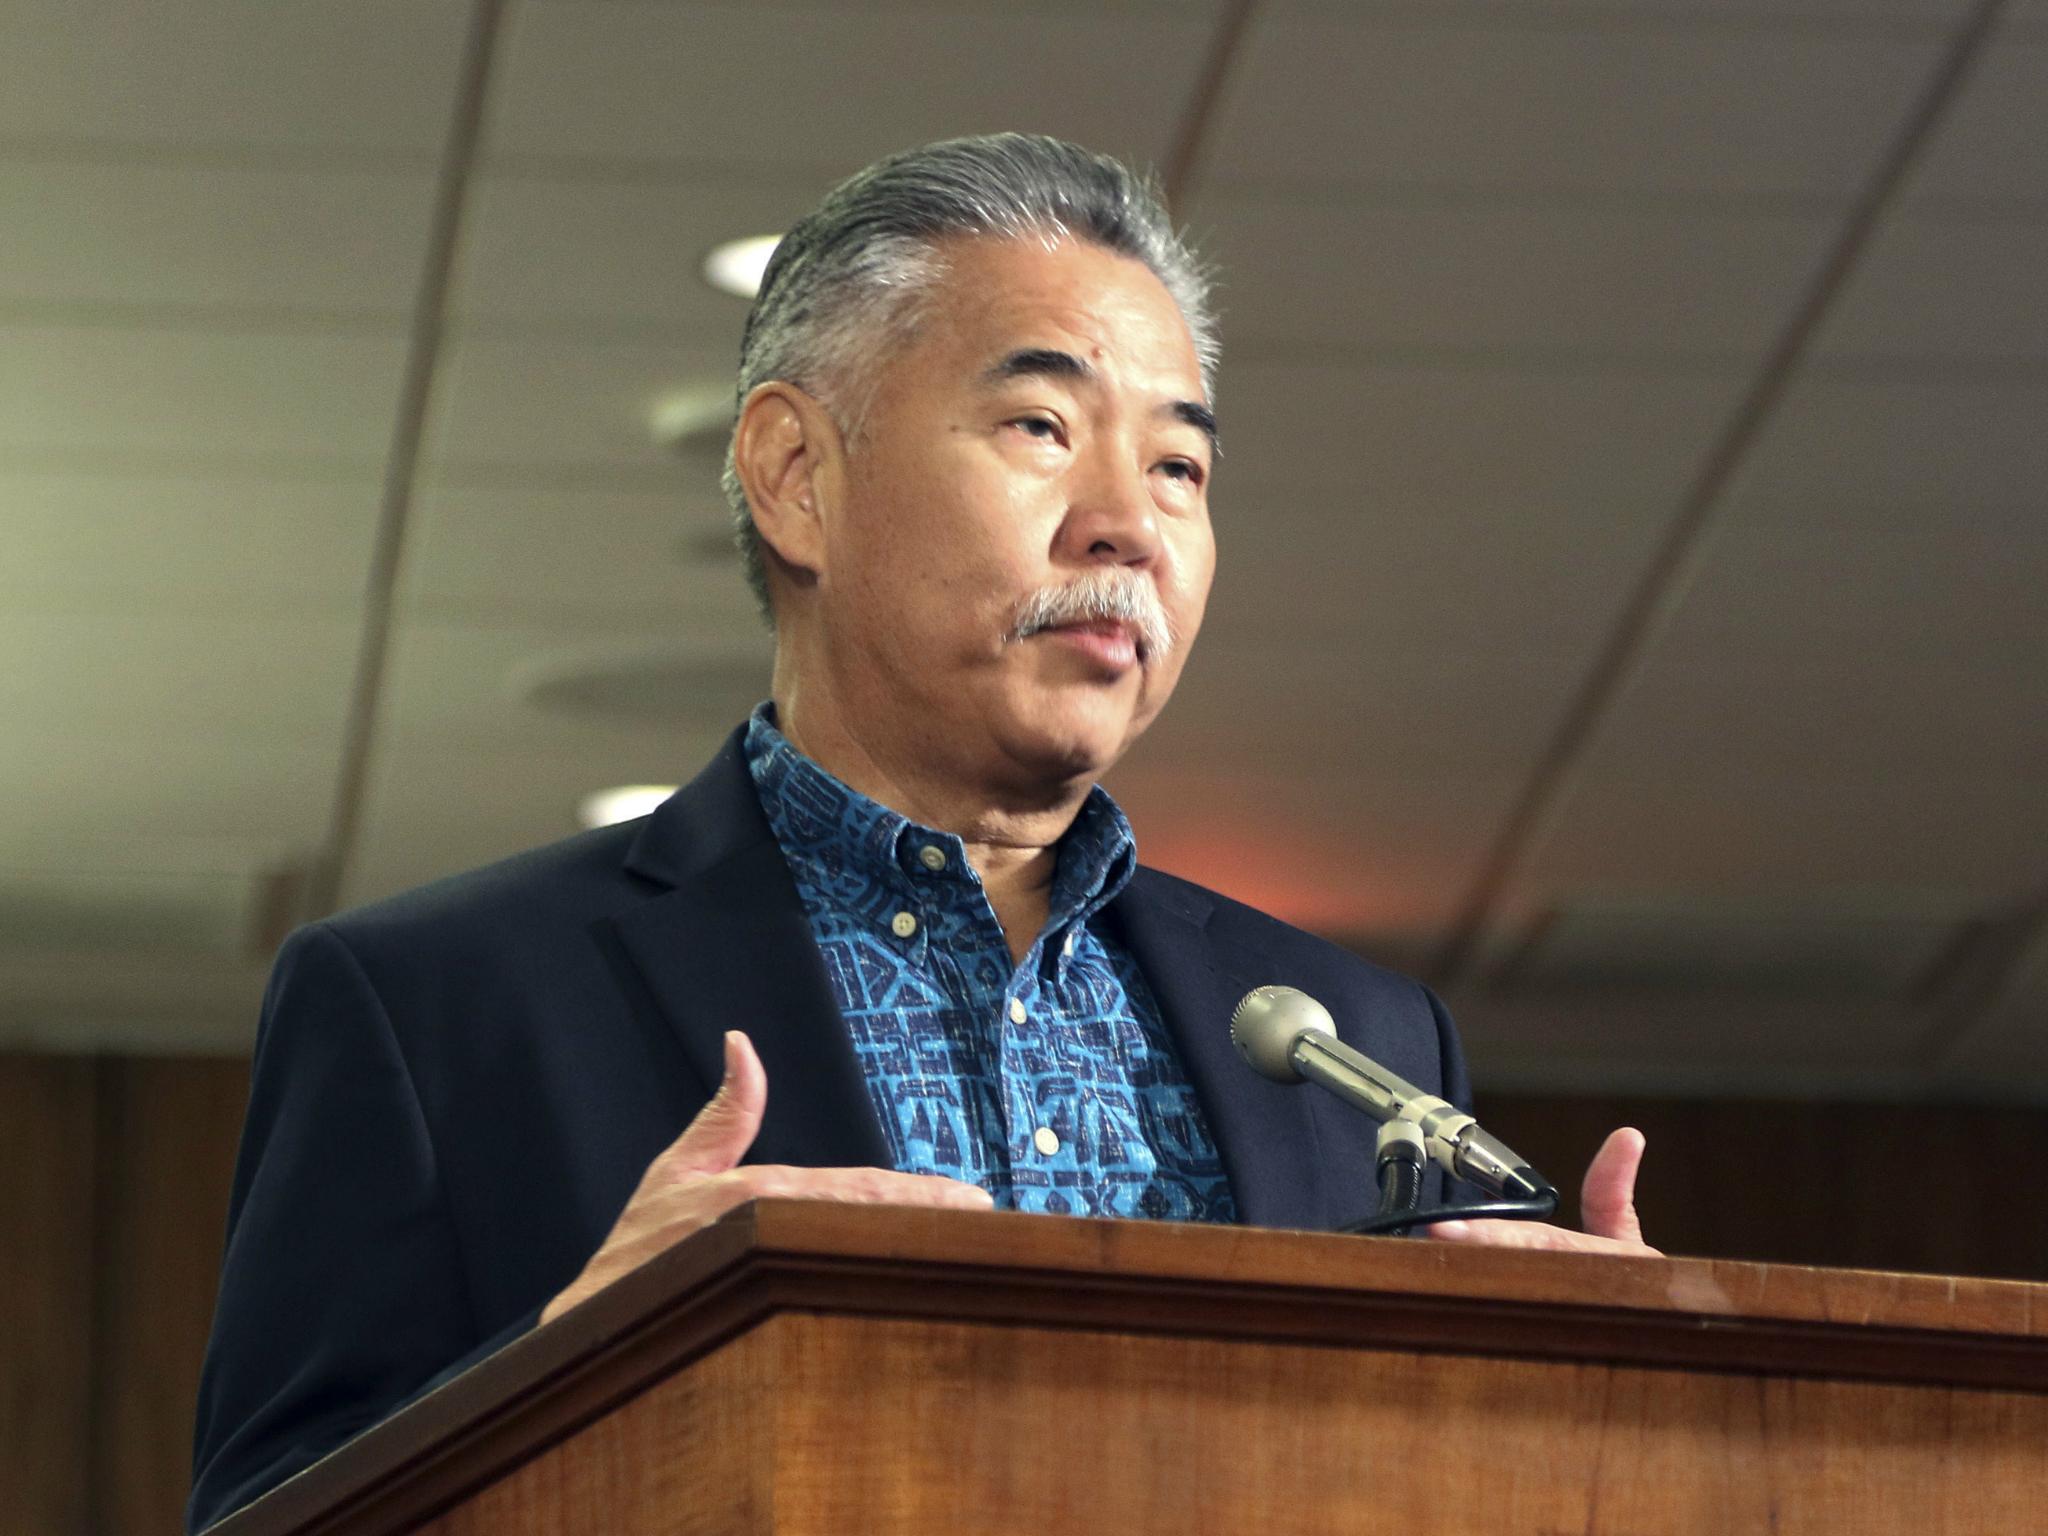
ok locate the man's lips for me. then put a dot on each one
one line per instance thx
(1109, 641)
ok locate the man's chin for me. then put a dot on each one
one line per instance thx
(1077, 741)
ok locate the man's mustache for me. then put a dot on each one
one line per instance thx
(1107, 594)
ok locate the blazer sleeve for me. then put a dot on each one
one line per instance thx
(342, 1291)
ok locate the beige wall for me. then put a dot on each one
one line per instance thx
(113, 1187)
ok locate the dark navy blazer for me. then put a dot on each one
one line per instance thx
(456, 1091)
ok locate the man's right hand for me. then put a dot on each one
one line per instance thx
(698, 1179)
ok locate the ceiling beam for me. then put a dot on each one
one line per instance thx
(329, 873)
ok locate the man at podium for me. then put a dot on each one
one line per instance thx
(893, 943)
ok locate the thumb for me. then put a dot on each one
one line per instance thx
(1607, 1199)
(719, 1137)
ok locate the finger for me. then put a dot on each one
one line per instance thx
(1607, 1198)
(1491, 1233)
(719, 1137)
(866, 1186)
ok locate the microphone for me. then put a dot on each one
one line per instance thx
(1288, 1036)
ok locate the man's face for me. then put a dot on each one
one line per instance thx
(1045, 427)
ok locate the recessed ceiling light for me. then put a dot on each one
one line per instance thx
(736, 266)
(609, 806)
(677, 685)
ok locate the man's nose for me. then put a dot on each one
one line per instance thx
(1111, 515)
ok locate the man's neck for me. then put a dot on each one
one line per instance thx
(1014, 847)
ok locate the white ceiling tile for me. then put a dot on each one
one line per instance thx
(465, 685)
(1351, 852)
(93, 390)
(1423, 434)
(584, 554)
(566, 404)
(145, 674)
(1993, 141)
(2007, 1044)
(154, 793)
(182, 235)
(1746, 703)
(971, 9)
(1369, 99)
(127, 542)
(1850, 434)
(434, 811)
(1384, 578)
(1409, 714)
(1847, 695)
(1952, 287)
(1493, 277)
(831, 88)
(1890, 584)
(1858, 651)
(1753, 828)
(1759, 15)
(1700, 1045)
(1872, 945)
(613, 254)
(317, 74)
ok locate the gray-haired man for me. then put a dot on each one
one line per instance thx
(971, 470)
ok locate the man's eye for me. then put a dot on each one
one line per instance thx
(1184, 469)
(1044, 428)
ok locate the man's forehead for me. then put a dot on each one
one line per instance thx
(1010, 298)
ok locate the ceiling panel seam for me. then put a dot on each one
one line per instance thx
(1997, 983)
(401, 467)
(1657, 592)
(1192, 133)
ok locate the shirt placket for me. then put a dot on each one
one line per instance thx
(958, 956)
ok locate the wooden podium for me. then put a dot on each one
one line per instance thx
(834, 1369)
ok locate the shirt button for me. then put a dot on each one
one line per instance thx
(932, 858)
(1017, 1014)
(903, 925)
(1046, 1139)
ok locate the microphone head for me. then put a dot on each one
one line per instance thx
(1266, 1024)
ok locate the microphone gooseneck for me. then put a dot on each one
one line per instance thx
(1398, 1160)
(1286, 1035)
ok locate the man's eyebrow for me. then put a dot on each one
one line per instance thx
(1200, 417)
(1040, 363)
(1051, 363)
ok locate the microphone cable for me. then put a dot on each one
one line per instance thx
(1392, 1224)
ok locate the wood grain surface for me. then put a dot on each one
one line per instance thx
(170, 1129)
(114, 1174)
(46, 1247)
(823, 1424)
(811, 1367)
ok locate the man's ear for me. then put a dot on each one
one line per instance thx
(790, 458)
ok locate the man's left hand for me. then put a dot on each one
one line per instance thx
(1607, 1202)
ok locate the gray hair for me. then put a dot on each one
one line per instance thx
(847, 280)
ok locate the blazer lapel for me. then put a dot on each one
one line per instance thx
(1264, 1131)
(728, 947)
(724, 944)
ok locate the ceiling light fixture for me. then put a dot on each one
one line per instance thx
(610, 806)
(736, 266)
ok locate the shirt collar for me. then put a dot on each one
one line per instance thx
(814, 814)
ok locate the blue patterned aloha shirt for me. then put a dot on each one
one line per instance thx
(1053, 1083)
